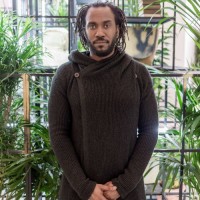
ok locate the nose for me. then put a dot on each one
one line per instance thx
(100, 32)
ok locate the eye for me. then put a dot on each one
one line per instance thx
(92, 26)
(107, 25)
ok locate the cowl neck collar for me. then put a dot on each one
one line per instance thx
(91, 66)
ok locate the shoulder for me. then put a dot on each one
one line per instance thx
(142, 75)
(63, 75)
(140, 69)
(64, 70)
(134, 64)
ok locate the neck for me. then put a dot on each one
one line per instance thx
(98, 58)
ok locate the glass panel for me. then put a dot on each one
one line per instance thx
(6, 5)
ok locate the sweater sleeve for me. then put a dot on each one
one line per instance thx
(147, 137)
(59, 115)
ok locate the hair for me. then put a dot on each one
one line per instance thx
(120, 20)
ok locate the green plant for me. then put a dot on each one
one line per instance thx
(19, 52)
(45, 172)
(189, 12)
(80, 46)
(164, 51)
(133, 8)
(197, 62)
(187, 127)
(186, 124)
(59, 8)
(14, 58)
(41, 162)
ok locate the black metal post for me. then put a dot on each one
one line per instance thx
(71, 20)
(14, 5)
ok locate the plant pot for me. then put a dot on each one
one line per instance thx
(141, 43)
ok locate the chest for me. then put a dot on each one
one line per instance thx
(110, 92)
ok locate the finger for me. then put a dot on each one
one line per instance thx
(108, 195)
(104, 197)
(113, 188)
(109, 183)
(106, 187)
(111, 195)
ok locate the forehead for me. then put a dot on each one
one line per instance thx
(99, 14)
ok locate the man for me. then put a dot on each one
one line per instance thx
(102, 112)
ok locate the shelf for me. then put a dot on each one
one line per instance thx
(148, 20)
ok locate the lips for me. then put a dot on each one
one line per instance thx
(101, 42)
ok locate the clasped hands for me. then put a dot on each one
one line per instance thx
(105, 192)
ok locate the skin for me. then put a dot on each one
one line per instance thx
(100, 192)
(111, 194)
(101, 32)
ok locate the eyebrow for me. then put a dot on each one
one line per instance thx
(107, 21)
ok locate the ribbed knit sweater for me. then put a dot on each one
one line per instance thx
(103, 124)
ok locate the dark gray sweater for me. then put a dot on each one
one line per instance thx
(103, 124)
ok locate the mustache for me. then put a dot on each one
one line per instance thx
(100, 40)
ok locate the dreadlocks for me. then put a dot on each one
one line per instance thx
(120, 20)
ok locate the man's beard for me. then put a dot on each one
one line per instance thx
(102, 53)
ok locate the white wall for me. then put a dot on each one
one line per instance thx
(5, 4)
(184, 46)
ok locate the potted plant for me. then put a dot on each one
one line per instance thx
(142, 39)
(20, 51)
